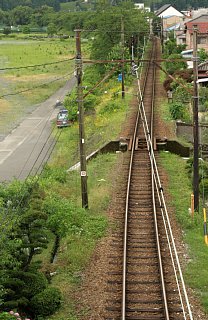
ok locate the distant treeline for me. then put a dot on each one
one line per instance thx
(11, 4)
(181, 4)
(55, 4)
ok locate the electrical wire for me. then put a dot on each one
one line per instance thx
(116, 31)
(53, 144)
(35, 87)
(36, 65)
(40, 153)
(35, 178)
(48, 153)
(33, 182)
(36, 145)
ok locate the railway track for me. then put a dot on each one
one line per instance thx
(145, 280)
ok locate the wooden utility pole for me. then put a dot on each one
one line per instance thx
(195, 122)
(122, 48)
(83, 165)
(162, 35)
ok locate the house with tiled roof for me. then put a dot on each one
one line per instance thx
(168, 10)
(201, 23)
(170, 16)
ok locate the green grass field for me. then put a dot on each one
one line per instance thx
(41, 81)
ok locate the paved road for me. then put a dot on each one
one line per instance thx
(20, 149)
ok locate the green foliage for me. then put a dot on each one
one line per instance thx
(6, 316)
(6, 30)
(32, 229)
(195, 272)
(184, 5)
(171, 47)
(90, 102)
(203, 175)
(203, 99)
(104, 43)
(46, 303)
(180, 91)
(112, 106)
(8, 5)
(177, 110)
(15, 194)
(34, 283)
(202, 54)
(71, 105)
(26, 29)
(54, 174)
(171, 67)
(156, 25)
(63, 215)
(20, 15)
(51, 29)
(91, 76)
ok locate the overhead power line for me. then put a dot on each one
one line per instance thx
(36, 65)
(35, 87)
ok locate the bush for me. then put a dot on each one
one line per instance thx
(46, 303)
(57, 174)
(90, 102)
(112, 106)
(177, 111)
(70, 103)
(6, 316)
(171, 67)
(34, 283)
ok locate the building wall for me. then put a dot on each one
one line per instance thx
(202, 42)
(170, 21)
(202, 38)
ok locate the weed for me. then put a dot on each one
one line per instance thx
(180, 189)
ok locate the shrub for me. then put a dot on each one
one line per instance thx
(57, 174)
(177, 65)
(177, 111)
(70, 103)
(6, 316)
(46, 302)
(34, 283)
(112, 106)
(90, 102)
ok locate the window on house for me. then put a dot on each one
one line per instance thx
(202, 40)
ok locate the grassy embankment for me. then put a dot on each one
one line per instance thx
(18, 53)
(180, 189)
(76, 247)
(104, 125)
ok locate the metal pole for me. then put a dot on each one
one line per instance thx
(122, 45)
(195, 122)
(83, 165)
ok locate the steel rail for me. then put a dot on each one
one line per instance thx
(123, 307)
(165, 302)
(163, 205)
(149, 136)
(167, 224)
(139, 114)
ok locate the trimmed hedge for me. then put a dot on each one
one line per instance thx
(46, 303)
